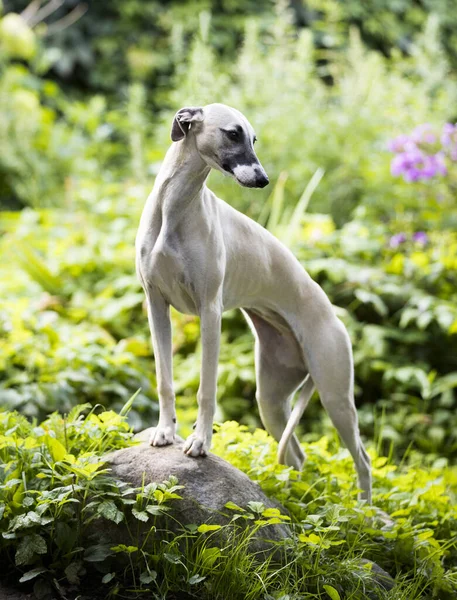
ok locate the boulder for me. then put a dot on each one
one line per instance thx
(380, 577)
(209, 483)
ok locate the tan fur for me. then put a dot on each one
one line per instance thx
(200, 255)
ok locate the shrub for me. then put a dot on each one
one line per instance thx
(54, 490)
(304, 125)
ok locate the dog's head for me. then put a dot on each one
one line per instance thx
(224, 139)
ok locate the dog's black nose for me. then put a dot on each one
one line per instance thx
(261, 181)
(261, 178)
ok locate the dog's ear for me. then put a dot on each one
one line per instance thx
(183, 118)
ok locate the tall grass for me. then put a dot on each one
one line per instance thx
(303, 124)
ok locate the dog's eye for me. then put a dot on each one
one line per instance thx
(233, 134)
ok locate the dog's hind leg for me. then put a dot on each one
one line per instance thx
(300, 406)
(279, 373)
(331, 368)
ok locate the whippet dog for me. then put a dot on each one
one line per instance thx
(203, 257)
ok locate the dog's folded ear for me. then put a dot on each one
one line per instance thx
(182, 121)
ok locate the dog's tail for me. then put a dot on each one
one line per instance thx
(297, 412)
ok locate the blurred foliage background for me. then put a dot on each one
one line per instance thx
(87, 94)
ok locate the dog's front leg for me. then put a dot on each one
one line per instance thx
(199, 442)
(160, 326)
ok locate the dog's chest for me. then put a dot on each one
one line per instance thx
(169, 270)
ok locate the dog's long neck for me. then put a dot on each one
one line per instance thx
(181, 179)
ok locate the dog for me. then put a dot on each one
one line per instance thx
(201, 256)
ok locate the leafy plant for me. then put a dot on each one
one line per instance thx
(58, 504)
(343, 128)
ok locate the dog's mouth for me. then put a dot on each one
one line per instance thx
(250, 176)
(248, 184)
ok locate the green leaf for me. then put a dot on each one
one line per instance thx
(209, 556)
(272, 521)
(28, 547)
(109, 510)
(271, 512)
(72, 573)
(370, 298)
(124, 548)
(148, 576)
(97, 553)
(172, 558)
(57, 450)
(155, 510)
(32, 574)
(274, 513)
(141, 515)
(293, 227)
(108, 577)
(64, 536)
(196, 579)
(205, 528)
(334, 595)
(257, 507)
(233, 506)
(25, 521)
(128, 405)
(37, 269)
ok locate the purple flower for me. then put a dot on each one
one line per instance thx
(433, 165)
(398, 144)
(423, 133)
(448, 132)
(398, 165)
(420, 237)
(416, 164)
(416, 157)
(397, 239)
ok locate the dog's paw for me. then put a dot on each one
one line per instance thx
(162, 436)
(195, 446)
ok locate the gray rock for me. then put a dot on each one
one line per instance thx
(379, 576)
(209, 483)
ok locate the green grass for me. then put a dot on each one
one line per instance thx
(73, 329)
(54, 490)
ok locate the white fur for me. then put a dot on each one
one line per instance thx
(244, 173)
(202, 256)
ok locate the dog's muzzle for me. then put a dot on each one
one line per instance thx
(253, 176)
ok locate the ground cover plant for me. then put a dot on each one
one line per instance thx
(55, 493)
(360, 147)
(390, 264)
